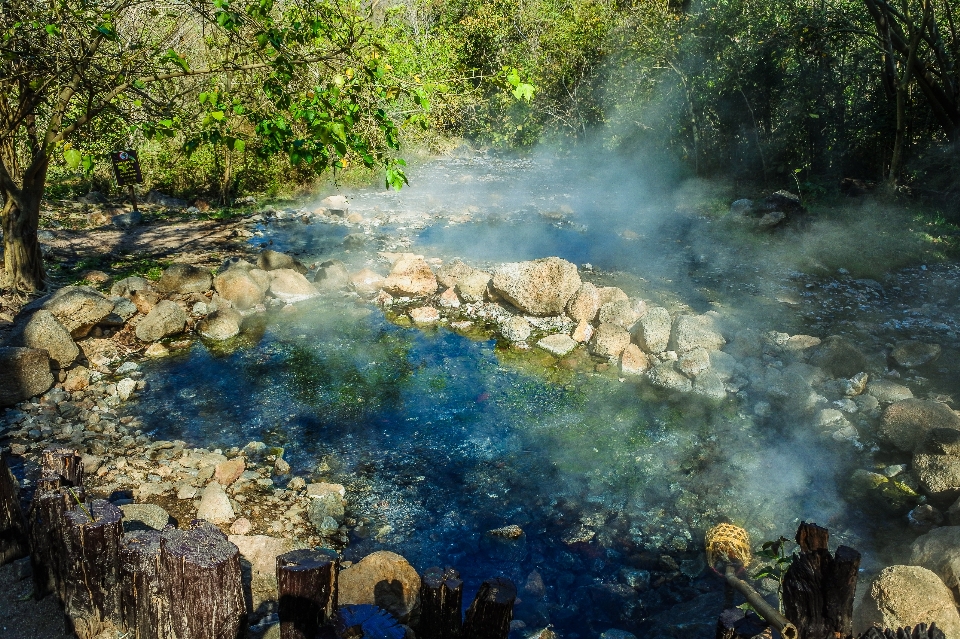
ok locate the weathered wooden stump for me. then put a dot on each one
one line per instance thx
(917, 632)
(818, 588)
(91, 568)
(14, 542)
(46, 523)
(490, 613)
(144, 611)
(441, 600)
(200, 577)
(307, 591)
(65, 462)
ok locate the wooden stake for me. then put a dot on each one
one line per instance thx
(307, 591)
(441, 601)
(65, 462)
(91, 568)
(47, 524)
(13, 526)
(200, 577)
(490, 613)
(145, 613)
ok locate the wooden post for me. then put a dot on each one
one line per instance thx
(13, 525)
(91, 568)
(145, 613)
(490, 613)
(65, 462)
(307, 591)
(818, 588)
(47, 524)
(200, 577)
(441, 600)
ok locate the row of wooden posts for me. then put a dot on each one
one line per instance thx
(185, 583)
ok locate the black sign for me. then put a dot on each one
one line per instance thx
(126, 167)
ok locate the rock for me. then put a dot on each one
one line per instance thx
(384, 579)
(515, 329)
(128, 286)
(411, 276)
(953, 513)
(269, 260)
(742, 207)
(185, 278)
(125, 388)
(424, 315)
(617, 634)
(450, 273)
(666, 376)
(229, 471)
(886, 391)
(26, 374)
(144, 517)
(166, 318)
(215, 505)
(909, 595)
(558, 345)
(239, 287)
(939, 474)
(366, 282)
(449, 299)
(583, 332)
(611, 294)
(127, 220)
(541, 287)
(474, 286)
(101, 354)
(332, 275)
(855, 386)
(623, 313)
(585, 303)
(906, 423)
(609, 340)
(839, 356)
(771, 219)
(222, 324)
(91, 463)
(281, 467)
(44, 332)
(261, 552)
(78, 308)
(694, 361)
(710, 385)
(123, 309)
(633, 361)
(156, 350)
(911, 353)
(336, 205)
(693, 331)
(156, 197)
(923, 518)
(144, 300)
(78, 378)
(939, 552)
(652, 331)
(800, 343)
(325, 501)
(242, 526)
(290, 286)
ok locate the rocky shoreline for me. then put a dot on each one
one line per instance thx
(75, 355)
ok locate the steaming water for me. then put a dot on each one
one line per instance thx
(440, 437)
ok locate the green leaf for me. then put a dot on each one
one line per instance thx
(524, 92)
(52, 29)
(239, 146)
(72, 158)
(217, 115)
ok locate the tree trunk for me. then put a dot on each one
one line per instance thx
(22, 261)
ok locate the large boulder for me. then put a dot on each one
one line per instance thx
(270, 260)
(384, 579)
(906, 423)
(911, 353)
(185, 278)
(44, 332)
(411, 276)
(78, 308)
(222, 324)
(540, 287)
(261, 552)
(240, 287)
(166, 318)
(936, 464)
(839, 356)
(332, 275)
(609, 340)
(26, 374)
(585, 303)
(624, 313)
(473, 286)
(290, 286)
(693, 331)
(939, 551)
(909, 595)
(652, 331)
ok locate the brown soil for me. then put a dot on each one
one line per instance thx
(21, 616)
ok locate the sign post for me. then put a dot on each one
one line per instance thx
(126, 167)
